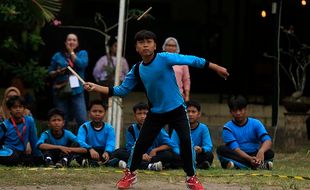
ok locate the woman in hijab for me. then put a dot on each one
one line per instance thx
(4, 112)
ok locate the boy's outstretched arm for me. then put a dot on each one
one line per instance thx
(89, 86)
(222, 71)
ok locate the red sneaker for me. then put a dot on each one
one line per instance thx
(129, 179)
(193, 183)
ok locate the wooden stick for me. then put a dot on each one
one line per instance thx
(77, 75)
(148, 10)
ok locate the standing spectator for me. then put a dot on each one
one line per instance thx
(15, 133)
(181, 71)
(247, 143)
(104, 70)
(68, 94)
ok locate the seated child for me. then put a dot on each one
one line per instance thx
(98, 135)
(247, 143)
(57, 143)
(15, 133)
(159, 155)
(201, 139)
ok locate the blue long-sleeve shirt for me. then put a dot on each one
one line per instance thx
(67, 139)
(200, 136)
(159, 80)
(247, 137)
(162, 138)
(12, 140)
(103, 138)
(60, 60)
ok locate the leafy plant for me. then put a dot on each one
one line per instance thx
(20, 42)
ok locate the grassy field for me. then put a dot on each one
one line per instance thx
(297, 164)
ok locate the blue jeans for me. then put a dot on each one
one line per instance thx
(73, 106)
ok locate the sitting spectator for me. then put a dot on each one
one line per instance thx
(247, 143)
(25, 93)
(200, 135)
(15, 133)
(58, 144)
(4, 111)
(98, 135)
(159, 155)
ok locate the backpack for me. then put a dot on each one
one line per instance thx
(140, 83)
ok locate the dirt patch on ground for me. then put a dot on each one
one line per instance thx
(142, 185)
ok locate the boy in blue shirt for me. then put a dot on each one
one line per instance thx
(140, 111)
(56, 143)
(15, 133)
(166, 102)
(98, 135)
(158, 155)
(202, 142)
(247, 143)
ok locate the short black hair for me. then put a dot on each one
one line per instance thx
(13, 100)
(55, 111)
(140, 106)
(145, 34)
(237, 102)
(111, 41)
(98, 102)
(194, 104)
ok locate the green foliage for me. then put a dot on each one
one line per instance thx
(21, 41)
(30, 72)
(9, 43)
(8, 12)
(45, 10)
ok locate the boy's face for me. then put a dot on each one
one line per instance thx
(56, 122)
(146, 47)
(97, 113)
(193, 114)
(140, 116)
(239, 115)
(17, 111)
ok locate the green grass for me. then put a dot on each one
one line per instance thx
(297, 164)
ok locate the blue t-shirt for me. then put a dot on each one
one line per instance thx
(67, 139)
(60, 60)
(103, 139)
(200, 136)
(247, 137)
(159, 80)
(162, 138)
(11, 139)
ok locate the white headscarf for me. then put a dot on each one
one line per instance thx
(176, 42)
